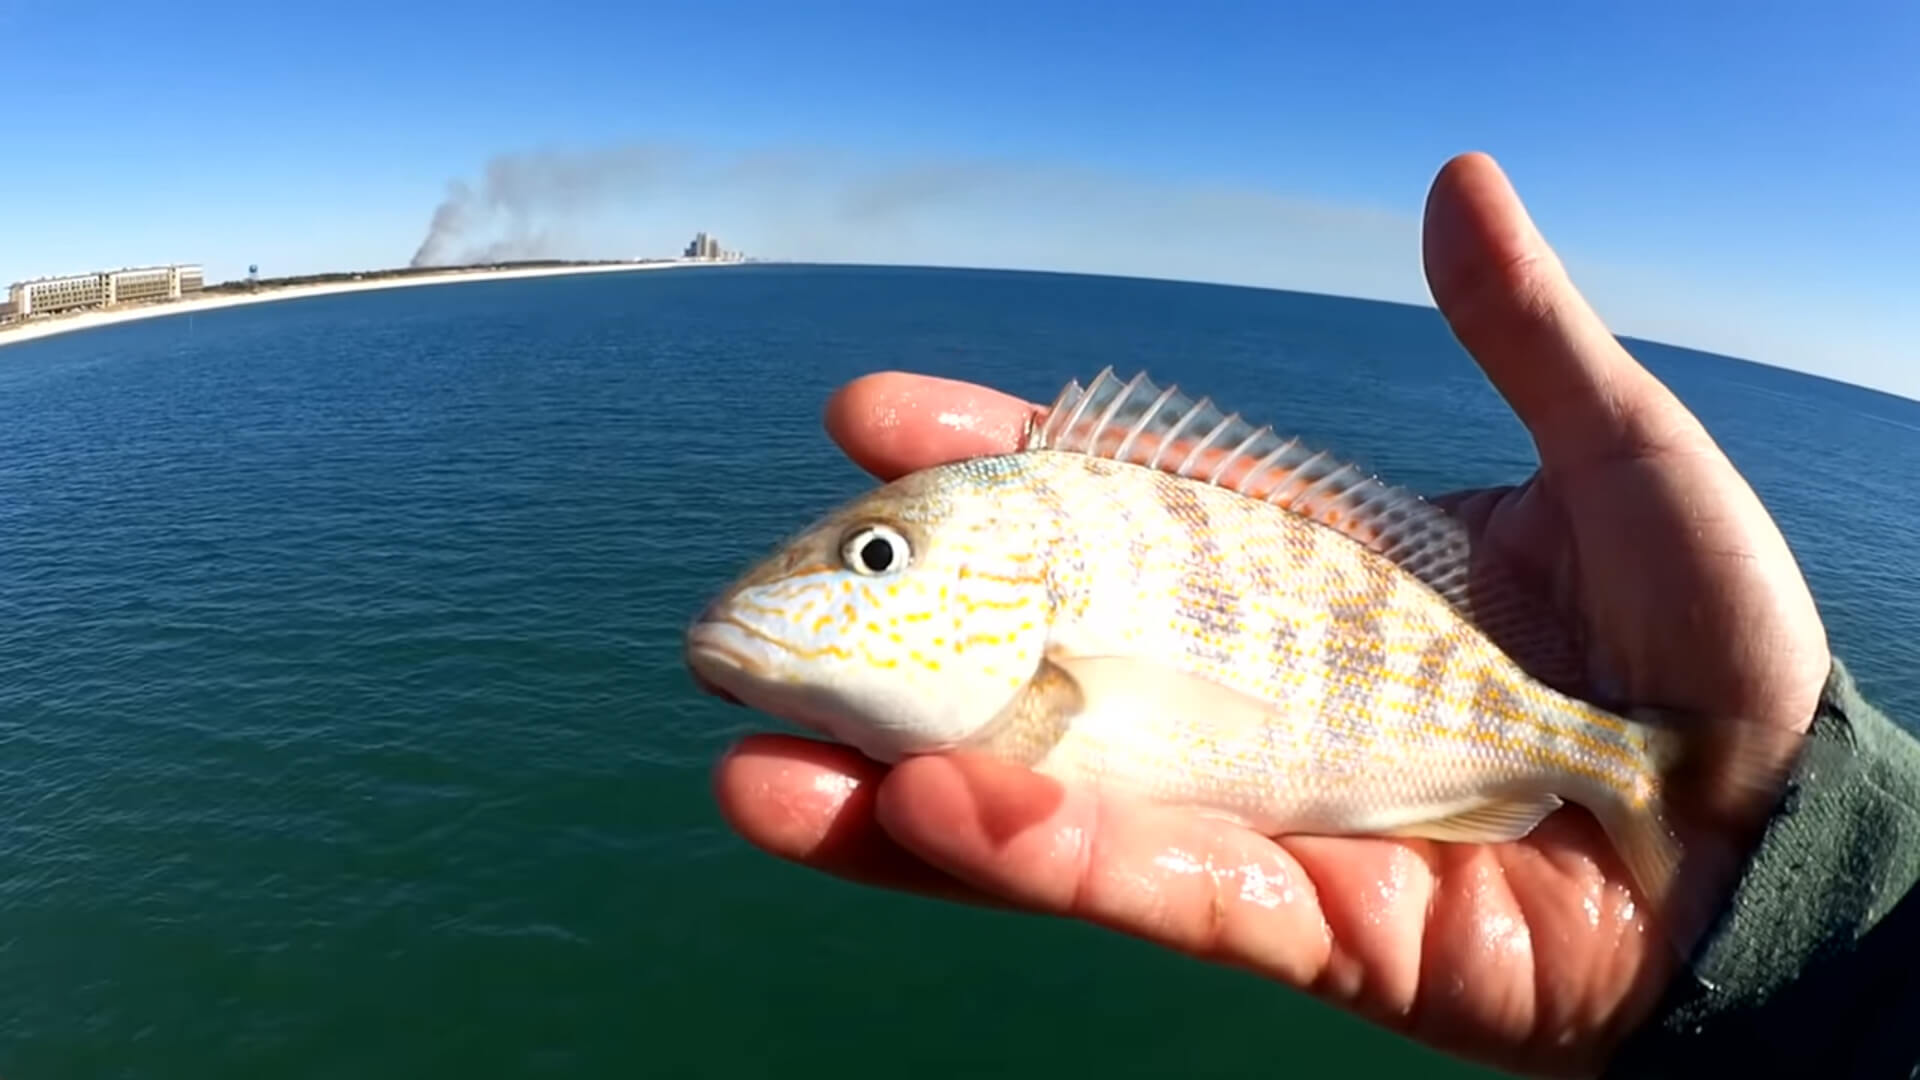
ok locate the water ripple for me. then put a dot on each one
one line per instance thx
(343, 730)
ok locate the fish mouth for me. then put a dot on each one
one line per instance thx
(714, 659)
(725, 663)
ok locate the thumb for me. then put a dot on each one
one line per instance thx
(1511, 304)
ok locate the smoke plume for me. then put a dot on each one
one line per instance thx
(813, 204)
(525, 201)
(798, 203)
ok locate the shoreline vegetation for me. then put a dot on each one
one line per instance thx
(236, 293)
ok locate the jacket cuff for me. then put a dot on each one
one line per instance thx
(1810, 962)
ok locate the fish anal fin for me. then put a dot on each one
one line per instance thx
(1491, 822)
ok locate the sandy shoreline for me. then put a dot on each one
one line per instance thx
(88, 320)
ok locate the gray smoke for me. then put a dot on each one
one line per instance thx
(524, 201)
(526, 204)
(812, 203)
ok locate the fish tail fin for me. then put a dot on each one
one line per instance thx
(1714, 786)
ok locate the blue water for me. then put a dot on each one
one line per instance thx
(344, 730)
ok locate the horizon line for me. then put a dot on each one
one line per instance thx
(399, 276)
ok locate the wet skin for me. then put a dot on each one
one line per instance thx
(1534, 956)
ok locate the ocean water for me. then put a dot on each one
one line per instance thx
(342, 724)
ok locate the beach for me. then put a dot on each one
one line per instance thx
(14, 333)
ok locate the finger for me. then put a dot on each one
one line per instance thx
(812, 803)
(1172, 877)
(892, 423)
(1512, 305)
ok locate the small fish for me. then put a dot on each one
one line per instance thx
(1155, 598)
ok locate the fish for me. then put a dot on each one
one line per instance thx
(1154, 598)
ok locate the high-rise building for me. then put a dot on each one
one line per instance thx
(705, 247)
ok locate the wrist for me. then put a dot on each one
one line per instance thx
(1785, 979)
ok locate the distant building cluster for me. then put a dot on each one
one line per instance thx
(707, 249)
(101, 288)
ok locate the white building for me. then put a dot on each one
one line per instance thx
(103, 288)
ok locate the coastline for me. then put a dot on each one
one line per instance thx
(88, 320)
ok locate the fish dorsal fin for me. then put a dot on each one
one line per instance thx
(1137, 422)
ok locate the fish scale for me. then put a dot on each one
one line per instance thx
(1326, 637)
(1154, 598)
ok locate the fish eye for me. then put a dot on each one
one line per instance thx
(875, 549)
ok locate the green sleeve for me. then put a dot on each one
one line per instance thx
(1814, 967)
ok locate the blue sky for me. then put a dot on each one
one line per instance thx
(1736, 177)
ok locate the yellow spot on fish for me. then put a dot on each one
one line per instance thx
(972, 605)
(1005, 579)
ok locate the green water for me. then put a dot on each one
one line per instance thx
(345, 733)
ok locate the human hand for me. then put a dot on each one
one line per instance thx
(1532, 955)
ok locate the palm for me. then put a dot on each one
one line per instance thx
(1533, 955)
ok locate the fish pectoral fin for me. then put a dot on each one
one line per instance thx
(1491, 822)
(1130, 690)
(1037, 718)
(1109, 695)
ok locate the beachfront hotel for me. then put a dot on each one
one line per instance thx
(101, 288)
